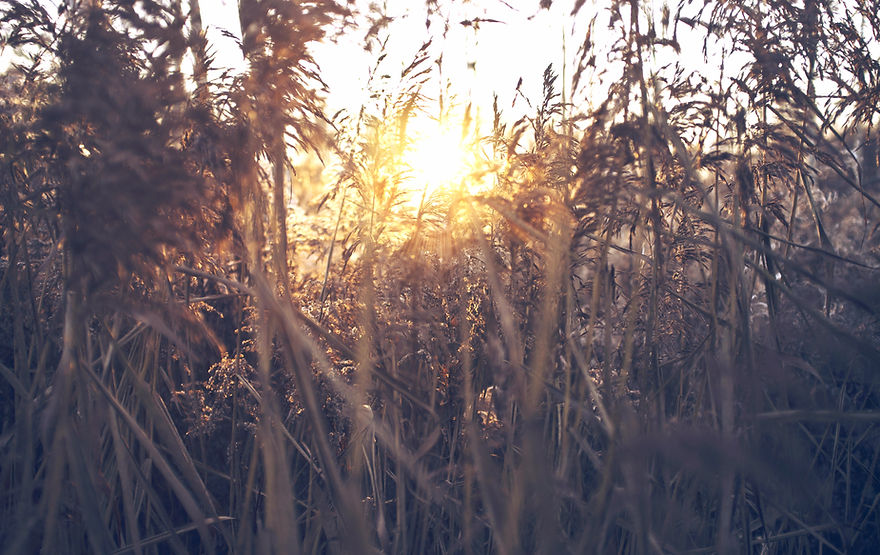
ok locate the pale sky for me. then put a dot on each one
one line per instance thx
(525, 41)
(519, 42)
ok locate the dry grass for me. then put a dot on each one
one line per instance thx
(657, 332)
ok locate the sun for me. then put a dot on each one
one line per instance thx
(437, 158)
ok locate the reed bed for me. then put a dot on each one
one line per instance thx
(655, 332)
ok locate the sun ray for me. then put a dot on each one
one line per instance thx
(437, 158)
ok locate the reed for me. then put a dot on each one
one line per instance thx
(656, 331)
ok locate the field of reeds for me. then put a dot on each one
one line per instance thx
(643, 320)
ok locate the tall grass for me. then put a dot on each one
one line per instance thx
(657, 332)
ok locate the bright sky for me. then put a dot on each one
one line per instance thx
(475, 63)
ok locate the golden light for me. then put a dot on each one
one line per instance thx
(437, 159)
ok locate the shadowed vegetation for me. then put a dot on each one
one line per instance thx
(642, 318)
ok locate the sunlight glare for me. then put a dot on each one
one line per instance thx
(437, 159)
